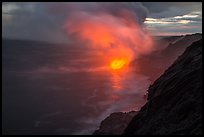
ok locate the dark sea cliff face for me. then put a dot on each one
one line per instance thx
(115, 123)
(174, 104)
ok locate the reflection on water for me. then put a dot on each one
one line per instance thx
(116, 81)
(120, 79)
(58, 93)
(123, 92)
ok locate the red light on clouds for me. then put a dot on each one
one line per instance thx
(117, 38)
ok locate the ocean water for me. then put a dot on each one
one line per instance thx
(61, 89)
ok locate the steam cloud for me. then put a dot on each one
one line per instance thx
(116, 29)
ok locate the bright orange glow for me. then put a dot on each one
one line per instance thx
(119, 40)
(117, 64)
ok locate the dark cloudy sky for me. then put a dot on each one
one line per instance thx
(174, 18)
(43, 21)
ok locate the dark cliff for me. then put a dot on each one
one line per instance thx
(115, 124)
(174, 104)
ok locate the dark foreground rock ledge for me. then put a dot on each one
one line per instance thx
(174, 104)
(115, 123)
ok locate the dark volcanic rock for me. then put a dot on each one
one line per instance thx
(115, 123)
(174, 104)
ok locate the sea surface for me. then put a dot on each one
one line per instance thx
(62, 89)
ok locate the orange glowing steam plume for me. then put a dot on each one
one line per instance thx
(119, 39)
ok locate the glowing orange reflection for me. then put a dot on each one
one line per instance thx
(116, 81)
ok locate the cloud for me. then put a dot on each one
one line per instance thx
(138, 11)
(30, 21)
(171, 9)
(184, 19)
(44, 21)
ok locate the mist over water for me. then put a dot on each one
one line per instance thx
(58, 89)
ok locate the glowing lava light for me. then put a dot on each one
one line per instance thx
(117, 64)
